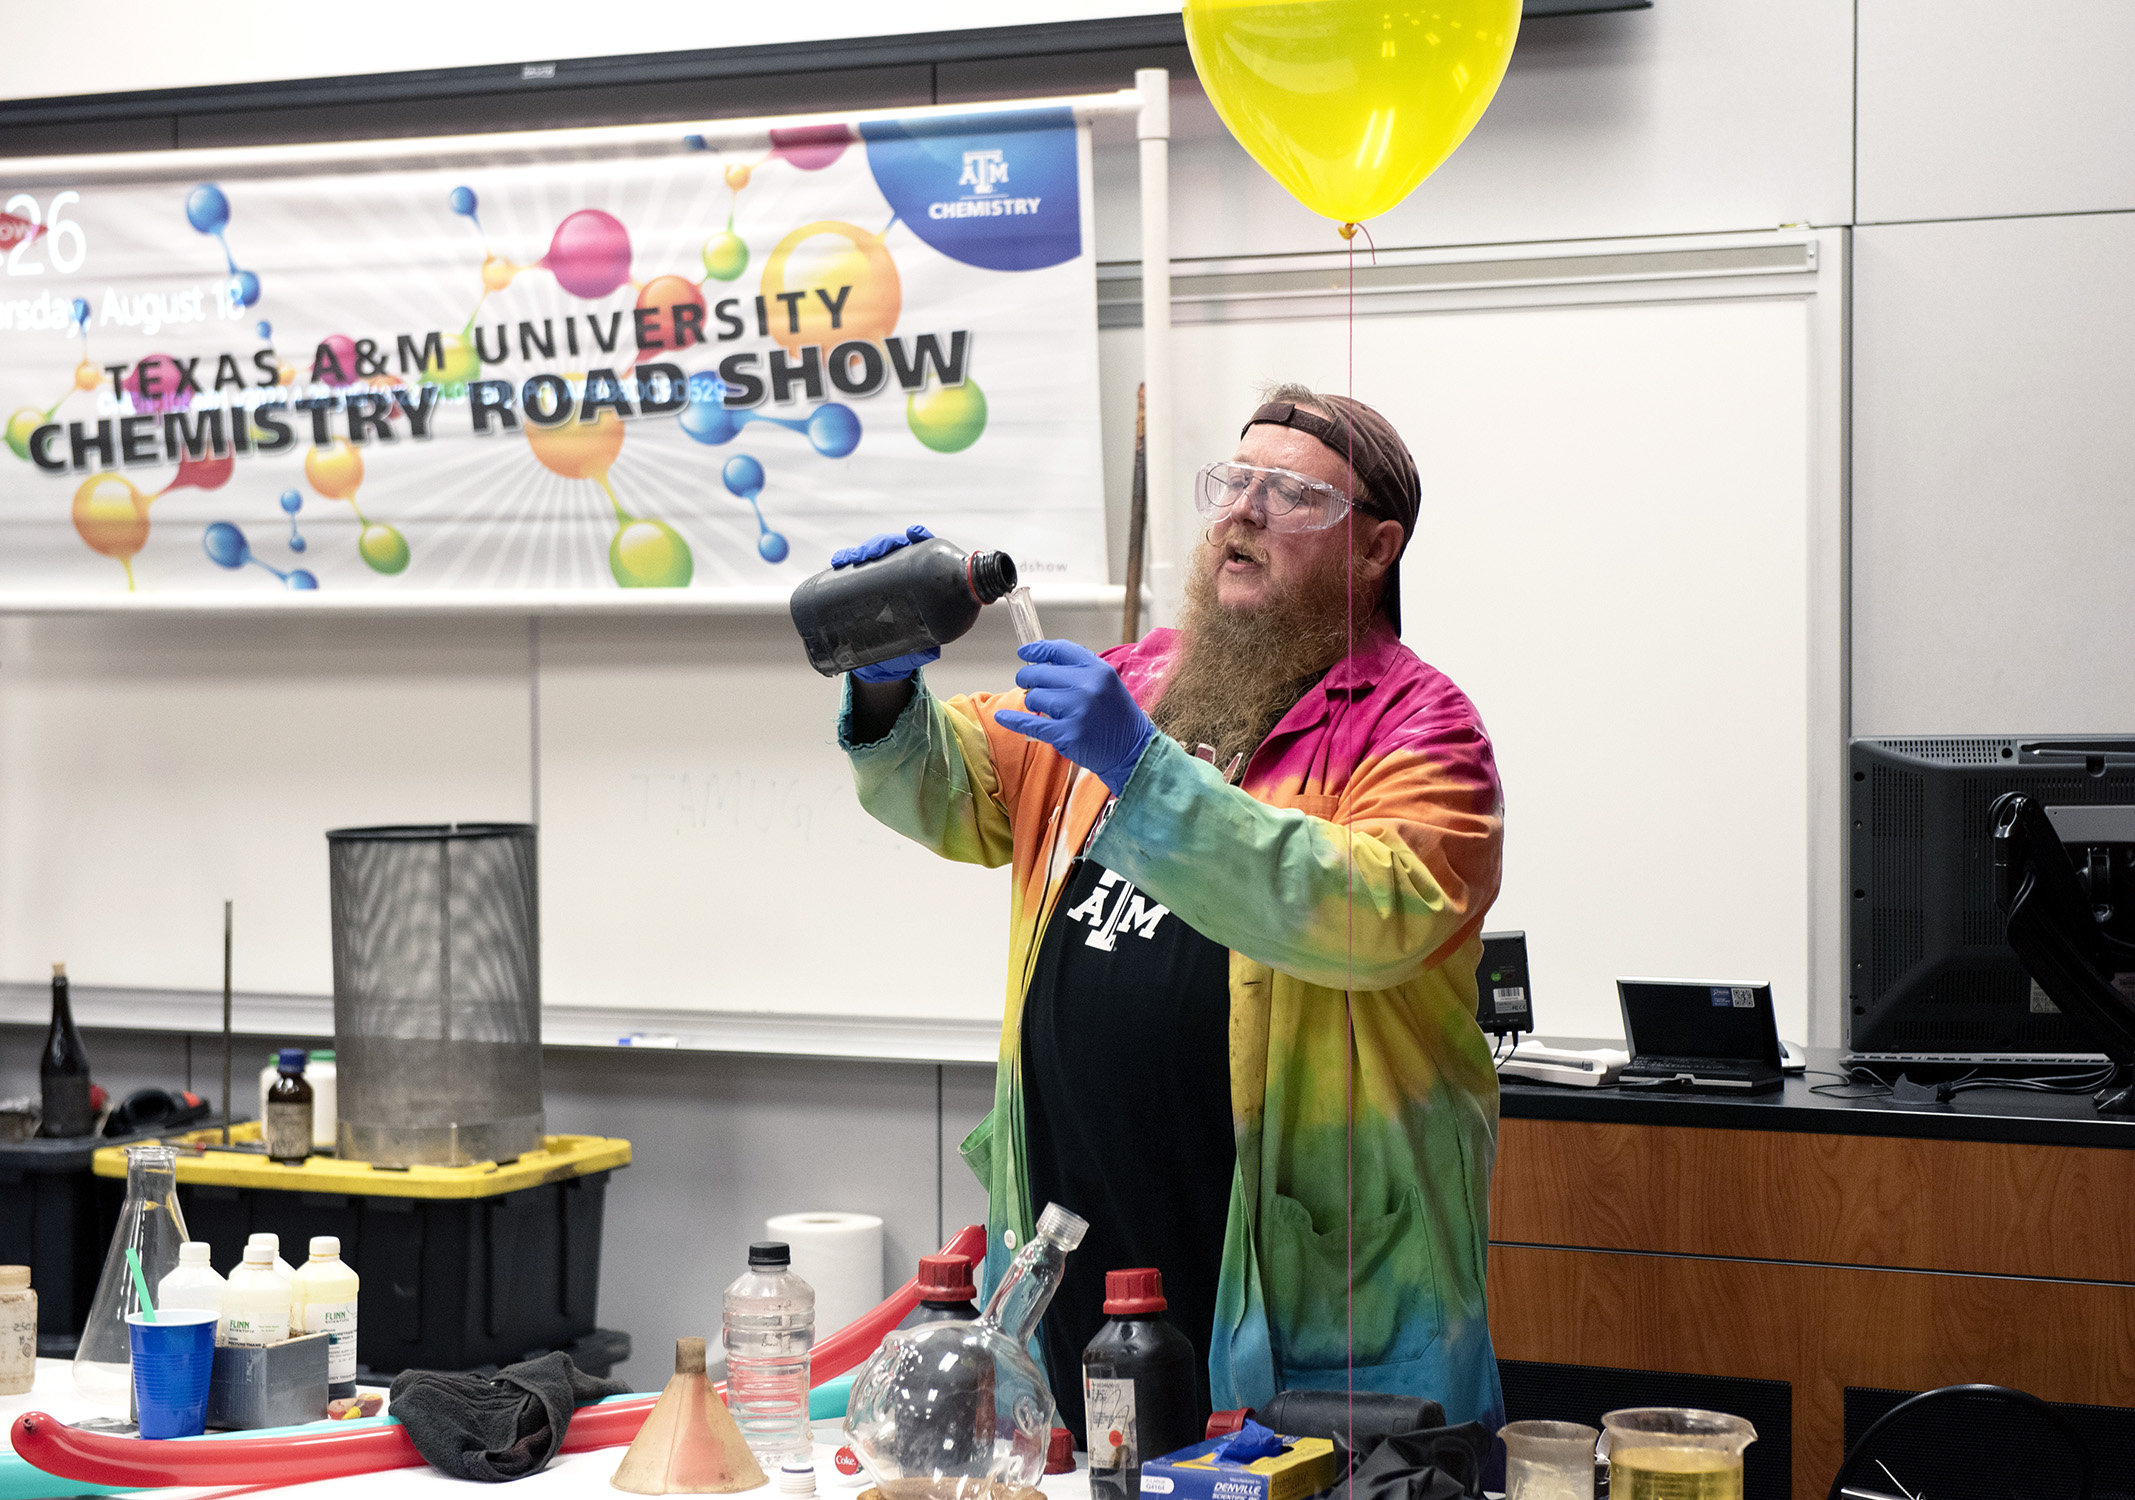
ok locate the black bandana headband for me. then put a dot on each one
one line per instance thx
(1386, 484)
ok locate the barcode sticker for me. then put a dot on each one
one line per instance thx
(1744, 997)
(1513, 997)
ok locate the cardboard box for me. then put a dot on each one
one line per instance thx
(1304, 1467)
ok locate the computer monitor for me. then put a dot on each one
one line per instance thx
(1930, 974)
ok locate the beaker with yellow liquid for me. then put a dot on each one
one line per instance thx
(1675, 1453)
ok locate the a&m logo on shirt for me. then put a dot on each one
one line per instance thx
(1130, 912)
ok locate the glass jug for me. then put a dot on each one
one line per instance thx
(960, 1411)
(1675, 1453)
(152, 1224)
(1549, 1460)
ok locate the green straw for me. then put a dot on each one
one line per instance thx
(140, 1282)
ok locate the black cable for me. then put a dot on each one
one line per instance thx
(1855, 1077)
(2067, 1083)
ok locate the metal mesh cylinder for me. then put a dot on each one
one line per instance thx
(437, 993)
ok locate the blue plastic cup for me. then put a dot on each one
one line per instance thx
(173, 1359)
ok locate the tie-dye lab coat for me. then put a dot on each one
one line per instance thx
(1385, 750)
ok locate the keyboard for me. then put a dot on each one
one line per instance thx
(1703, 1066)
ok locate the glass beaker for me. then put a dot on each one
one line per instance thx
(151, 1224)
(1549, 1460)
(1675, 1453)
(960, 1411)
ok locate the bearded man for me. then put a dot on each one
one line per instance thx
(1251, 863)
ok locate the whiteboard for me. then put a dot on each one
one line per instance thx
(702, 847)
(1613, 562)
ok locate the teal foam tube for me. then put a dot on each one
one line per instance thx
(826, 1403)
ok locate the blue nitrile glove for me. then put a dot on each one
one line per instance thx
(1250, 1442)
(897, 668)
(1089, 716)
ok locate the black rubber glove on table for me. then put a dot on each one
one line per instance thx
(494, 1428)
(1430, 1463)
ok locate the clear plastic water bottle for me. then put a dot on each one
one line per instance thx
(769, 1329)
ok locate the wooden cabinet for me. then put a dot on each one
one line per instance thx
(1826, 1260)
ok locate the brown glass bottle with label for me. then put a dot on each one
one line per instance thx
(287, 1128)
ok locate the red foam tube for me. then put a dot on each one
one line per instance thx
(298, 1458)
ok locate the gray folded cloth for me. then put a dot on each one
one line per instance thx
(494, 1428)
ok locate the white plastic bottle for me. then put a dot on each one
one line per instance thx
(255, 1302)
(769, 1330)
(326, 1303)
(193, 1283)
(273, 1242)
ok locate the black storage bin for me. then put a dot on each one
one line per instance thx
(56, 1217)
(461, 1267)
(448, 1283)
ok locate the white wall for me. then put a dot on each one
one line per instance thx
(1994, 476)
(1694, 117)
(1975, 109)
(1992, 368)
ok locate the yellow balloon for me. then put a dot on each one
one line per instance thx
(1351, 103)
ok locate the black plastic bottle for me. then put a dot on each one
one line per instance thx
(946, 1293)
(926, 594)
(63, 1069)
(1139, 1394)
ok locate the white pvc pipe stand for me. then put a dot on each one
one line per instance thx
(1162, 551)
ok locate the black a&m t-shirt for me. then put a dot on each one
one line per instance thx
(1127, 1110)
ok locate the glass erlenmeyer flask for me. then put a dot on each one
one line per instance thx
(152, 1224)
(960, 1411)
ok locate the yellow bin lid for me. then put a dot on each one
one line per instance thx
(202, 1161)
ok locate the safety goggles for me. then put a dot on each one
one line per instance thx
(1279, 499)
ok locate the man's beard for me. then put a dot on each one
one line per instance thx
(1240, 670)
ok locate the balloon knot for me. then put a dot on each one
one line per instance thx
(1348, 231)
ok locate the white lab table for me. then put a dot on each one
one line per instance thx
(572, 1475)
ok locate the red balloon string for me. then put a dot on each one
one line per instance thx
(1349, 1019)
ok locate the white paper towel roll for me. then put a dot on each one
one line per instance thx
(840, 1255)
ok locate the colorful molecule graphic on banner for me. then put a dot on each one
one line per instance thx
(207, 209)
(336, 472)
(744, 476)
(111, 511)
(226, 547)
(811, 148)
(645, 552)
(292, 502)
(590, 256)
(86, 377)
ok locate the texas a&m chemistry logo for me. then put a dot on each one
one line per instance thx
(985, 174)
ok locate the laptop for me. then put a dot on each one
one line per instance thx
(1699, 1035)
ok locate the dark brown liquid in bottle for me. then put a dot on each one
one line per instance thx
(63, 1069)
(288, 1123)
(925, 594)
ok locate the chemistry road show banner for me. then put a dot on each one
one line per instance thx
(593, 360)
